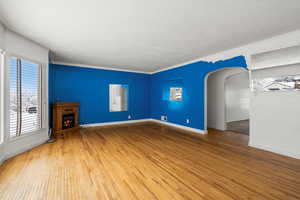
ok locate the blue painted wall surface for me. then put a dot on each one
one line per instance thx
(192, 79)
(148, 94)
(90, 87)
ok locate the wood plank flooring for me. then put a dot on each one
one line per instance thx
(149, 162)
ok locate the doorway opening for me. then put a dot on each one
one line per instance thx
(228, 100)
(237, 103)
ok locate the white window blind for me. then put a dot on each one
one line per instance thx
(25, 97)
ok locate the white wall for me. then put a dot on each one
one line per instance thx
(273, 43)
(274, 123)
(274, 116)
(216, 97)
(17, 45)
(237, 97)
(2, 31)
(280, 57)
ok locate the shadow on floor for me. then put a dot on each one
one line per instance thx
(239, 126)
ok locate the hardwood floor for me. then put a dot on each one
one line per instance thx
(149, 162)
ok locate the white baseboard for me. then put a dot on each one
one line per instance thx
(199, 131)
(274, 150)
(114, 123)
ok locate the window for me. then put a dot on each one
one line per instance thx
(118, 97)
(279, 83)
(25, 97)
(175, 94)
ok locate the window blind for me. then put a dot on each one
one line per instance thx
(25, 97)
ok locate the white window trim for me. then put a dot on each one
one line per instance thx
(2, 98)
(172, 91)
(110, 98)
(43, 99)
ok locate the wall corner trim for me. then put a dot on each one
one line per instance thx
(98, 67)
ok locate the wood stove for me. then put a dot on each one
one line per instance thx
(65, 117)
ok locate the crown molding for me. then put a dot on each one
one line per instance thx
(125, 70)
(98, 67)
(180, 65)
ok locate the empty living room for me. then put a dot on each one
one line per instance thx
(138, 100)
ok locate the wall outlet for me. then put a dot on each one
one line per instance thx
(188, 121)
(163, 118)
(129, 116)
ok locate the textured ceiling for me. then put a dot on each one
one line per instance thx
(145, 35)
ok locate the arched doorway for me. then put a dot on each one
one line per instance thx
(215, 96)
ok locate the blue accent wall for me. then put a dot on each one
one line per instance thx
(90, 87)
(192, 80)
(148, 94)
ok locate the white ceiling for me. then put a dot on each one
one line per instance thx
(146, 35)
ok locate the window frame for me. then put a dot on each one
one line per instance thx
(258, 84)
(2, 96)
(38, 131)
(171, 98)
(109, 98)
